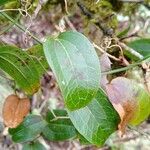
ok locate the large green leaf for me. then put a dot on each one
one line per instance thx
(142, 46)
(29, 129)
(33, 146)
(97, 121)
(20, 66)
(59, 129)
(75, 64)
(83, 140)
(37, 53)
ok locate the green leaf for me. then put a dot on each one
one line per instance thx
(142, 111)
(20, 66)
(76, 66)
(2, 2)
(97, 121)
(37, 53)
(56, 113)
(123, 32)
(59, 129)
(33, 146)
(142, 46)
(29, 129)
(5, 90)
(83, 141)
(133, 98)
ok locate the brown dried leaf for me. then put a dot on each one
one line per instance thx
(122, 95)
(14, 110)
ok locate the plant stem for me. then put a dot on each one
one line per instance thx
(125, 68)
(20, 27)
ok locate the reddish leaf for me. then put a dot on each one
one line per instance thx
(14, 110)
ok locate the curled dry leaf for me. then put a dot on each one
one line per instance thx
(14, 110)
(130, 100)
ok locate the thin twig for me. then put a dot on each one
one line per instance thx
(59, 117)
(69, 23)
(42, 105)
(66, 6)
(125, 68)
(19, 9)
(103, 51)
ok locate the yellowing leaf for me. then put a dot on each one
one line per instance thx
(130, 100)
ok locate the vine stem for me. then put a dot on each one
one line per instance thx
(125, 68)
(20, 27)
(103, 51)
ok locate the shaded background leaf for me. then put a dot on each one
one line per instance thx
(29, 129)
(2, 2)
(37, 53)
(59, 129)
(21, 67)
(33, 146)
(142, 46)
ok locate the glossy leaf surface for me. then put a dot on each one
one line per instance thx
(97, 121)
(75, 64)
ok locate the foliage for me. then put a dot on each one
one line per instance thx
(97, 103)
(75, 65)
